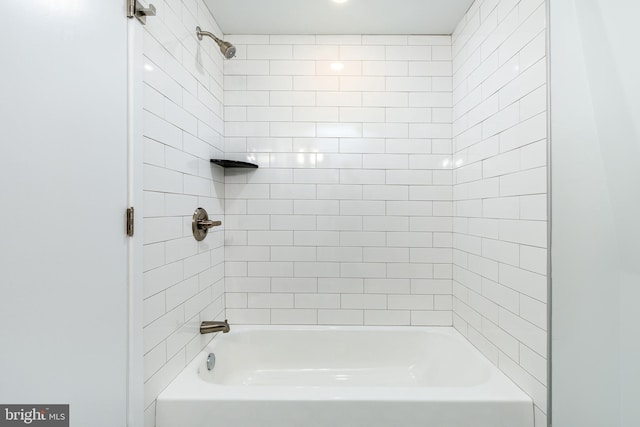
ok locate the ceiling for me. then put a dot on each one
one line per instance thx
(329, 17)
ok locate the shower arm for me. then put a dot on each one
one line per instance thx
(201, 33)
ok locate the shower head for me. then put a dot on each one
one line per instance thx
(227, 49)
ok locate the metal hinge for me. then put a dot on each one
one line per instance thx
(130, 222)
(135, 9)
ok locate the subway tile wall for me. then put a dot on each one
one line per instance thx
(500, 185)
(183, 128)
(348, 220)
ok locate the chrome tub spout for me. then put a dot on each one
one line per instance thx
(211, 327)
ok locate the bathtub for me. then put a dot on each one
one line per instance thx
(312, 376)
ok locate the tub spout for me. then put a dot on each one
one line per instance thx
(211, 327)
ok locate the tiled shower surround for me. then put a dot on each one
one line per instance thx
(183, 128)
(500, 186)
(348, 220)
(402, 181)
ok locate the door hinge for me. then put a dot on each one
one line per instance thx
(130, 219)
(135, 9)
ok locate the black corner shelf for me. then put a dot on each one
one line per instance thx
(233, 164)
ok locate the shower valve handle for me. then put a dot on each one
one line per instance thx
(207, 223)
(201, 224)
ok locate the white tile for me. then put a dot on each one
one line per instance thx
(274, 207)
(316, 114)
(292, 129)
(385, 68)
(386, 255)
(430, 99)
(316, 269)
(154, 256)
(409, 208)
(316, 176)
(246, 67)
(181, 292)
(246, 253)
(529, 334)
(325, 52)
(430, 40)
(504, 252)
(249, 316)
(431, 318)
(340, 285)
(339, 99)
(317, 301)
(384, 99)
(246, 284)
(362, 238)
(270, 300)
(294, 316)
(316, 238)
(534, 311)
(410, 302)
(387, 286)
(245, 98)
(387, 317)
(412, 270)
(270, 238)
(340, 317)
(532, 181)
(363, 301)
(293, 253)
(363, 270)
(295, 191)
(533, 207)
(339, 161)
(317, 207)
(294, 285)
(384, 40)
(339, 223)
(153, 308)
(316, 83)
(410, 53)
(162, 229)
(533, 363)
(339, 192)
(533, 259)
(408, 84)
(339, 254)
(362, 84)
(339, 39)
(532, 233)
(365, 115)
(340, 130)
(363, 52)
(269, 52)
(270, 269)
(293, 68)
(286, 98)
(292, 39)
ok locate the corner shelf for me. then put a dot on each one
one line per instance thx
(233, 164)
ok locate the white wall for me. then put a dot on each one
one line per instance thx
(63, 172)
(500, 156)
(595, 102)
(348, 218)
(183, 279)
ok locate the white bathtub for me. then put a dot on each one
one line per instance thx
(310, 376)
